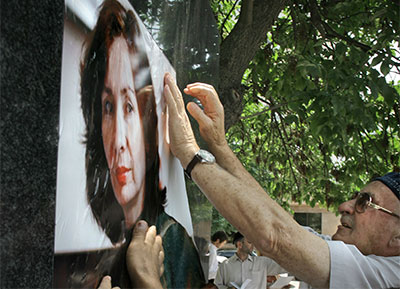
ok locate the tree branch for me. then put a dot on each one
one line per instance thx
(272, 108)
(364, 150)
(396, 109)
(294, 23)
(377, 148)
(327, 31)
(289, 158)
(246, 14)
(227, 17)
(239, 48)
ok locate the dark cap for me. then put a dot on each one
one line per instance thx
(392, 181)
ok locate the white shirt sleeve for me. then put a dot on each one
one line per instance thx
(221, 275)
(212, 262)
(351, 269)
(324, 237)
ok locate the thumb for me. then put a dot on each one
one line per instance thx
(139, 232)
(197, 113)
(105, 283)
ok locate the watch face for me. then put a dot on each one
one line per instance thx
(206, 156)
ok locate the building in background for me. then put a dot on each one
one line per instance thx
(318, 218)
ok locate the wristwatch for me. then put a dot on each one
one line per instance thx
(202, 156)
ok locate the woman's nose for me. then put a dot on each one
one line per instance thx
(120, 134)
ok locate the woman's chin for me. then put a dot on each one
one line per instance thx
(125, 196)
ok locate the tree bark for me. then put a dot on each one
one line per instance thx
(239, 48)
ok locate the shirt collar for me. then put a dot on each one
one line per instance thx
(249, 258)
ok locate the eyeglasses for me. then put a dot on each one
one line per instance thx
(364, 200)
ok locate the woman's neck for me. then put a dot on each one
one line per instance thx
(134, 208)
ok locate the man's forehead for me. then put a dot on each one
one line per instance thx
(379, 191)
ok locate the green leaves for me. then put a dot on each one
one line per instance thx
(385, 69)
(320, 119)
(307, 68)
(226, 13)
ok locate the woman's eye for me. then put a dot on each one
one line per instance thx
(108, 107)
(129, 108)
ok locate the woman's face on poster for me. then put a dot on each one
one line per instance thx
(122, 127)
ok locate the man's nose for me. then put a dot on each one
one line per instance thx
(347, 207)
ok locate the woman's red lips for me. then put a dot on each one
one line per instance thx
(121, 175)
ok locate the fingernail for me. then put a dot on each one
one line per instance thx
(141, 225)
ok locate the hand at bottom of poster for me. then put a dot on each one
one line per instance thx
(106, 283)
(244, 284)
(145, 257)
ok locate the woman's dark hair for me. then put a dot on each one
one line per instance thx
(114, 21)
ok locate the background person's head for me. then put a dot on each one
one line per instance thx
(219, 239)
(373, 231)
(119, 110)
(242, 244)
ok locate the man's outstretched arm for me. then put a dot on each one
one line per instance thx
(235, 193)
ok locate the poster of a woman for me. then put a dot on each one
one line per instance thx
(118, 138)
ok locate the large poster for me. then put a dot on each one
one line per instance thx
(114, 164)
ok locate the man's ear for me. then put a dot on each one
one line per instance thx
(394, 243)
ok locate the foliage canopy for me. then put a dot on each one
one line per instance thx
(311, 105)
(320, 112)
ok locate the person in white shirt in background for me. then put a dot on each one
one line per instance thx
(244, 267)
(218, 240)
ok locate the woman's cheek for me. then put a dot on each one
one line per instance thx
(106, 132)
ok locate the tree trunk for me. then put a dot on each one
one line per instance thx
(239, 48)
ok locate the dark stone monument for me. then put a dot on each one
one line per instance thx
(31, 44)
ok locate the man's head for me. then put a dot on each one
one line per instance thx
(219, 239)
(242, 244)
(373, 231)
